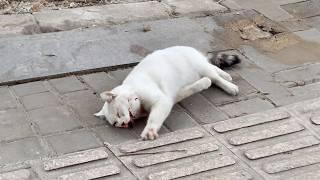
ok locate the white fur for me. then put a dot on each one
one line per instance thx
(160, 80)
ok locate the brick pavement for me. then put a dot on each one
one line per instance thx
(270, 131)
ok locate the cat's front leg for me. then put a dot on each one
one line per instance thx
(158, 114)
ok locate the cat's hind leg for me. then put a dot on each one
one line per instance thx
(222, 73)
(211, 72)
(200, 85)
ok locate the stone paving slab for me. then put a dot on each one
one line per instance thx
(106, 47)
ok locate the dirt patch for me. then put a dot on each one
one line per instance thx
(30, 6)
(268, 38)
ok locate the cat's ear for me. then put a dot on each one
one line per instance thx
(108, 96)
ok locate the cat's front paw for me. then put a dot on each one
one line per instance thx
(149, 134)
(233, 90)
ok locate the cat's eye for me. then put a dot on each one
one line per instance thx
(118, 114)
(136, 99)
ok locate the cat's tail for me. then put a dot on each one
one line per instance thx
(224, 60)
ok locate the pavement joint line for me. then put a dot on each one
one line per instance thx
(61, 75)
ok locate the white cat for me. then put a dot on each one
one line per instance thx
(160, 80)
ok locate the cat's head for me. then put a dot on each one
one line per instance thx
(121, 107)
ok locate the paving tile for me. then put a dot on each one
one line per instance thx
(75, 158)
(19, 151)
(165, 140)
(67, 84)
(113, 135)
(179, 119)
(202, 110)
(303, 9)
(305, 74)
(311, 35)
(195, 6)
(29, 88)
(281, 147)
(310, 176)
(250, 120)
(73, 141)
(18, 24)
(265, 134)
(195, 167)
(85, 104)
(263, 82)
(246, 107)
(36, 101)
(54, 119)
(100, 81)
(120, 74)
(7, 100)
(92, 173)
(294, 162)
(14, 125)
(21, 174)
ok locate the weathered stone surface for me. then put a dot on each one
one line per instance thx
(75, 158)
(195, 6)
(307, 73)
(281, 147)
(179, 119)
(85, 104)
(250, 120)
(315, 175)
(54, 119)
(73, 141)
(303, 9)
(170, 156)
(29, 88)
(36, 101)
(67, 19)
(18, 24)
(7, 100)
(312, 35)
(265, 134)
(92, 173)
(238, 175)
(246, 107)
(67, 84)
(120, 74)
(100, 82)
(14, 125)
(21, 174)
(195, 167)
(170, 138)
(114, 136)
(291, 163)
(105, 47)
(19, 151)
(202, 110)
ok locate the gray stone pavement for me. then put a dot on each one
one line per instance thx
(269, 131)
